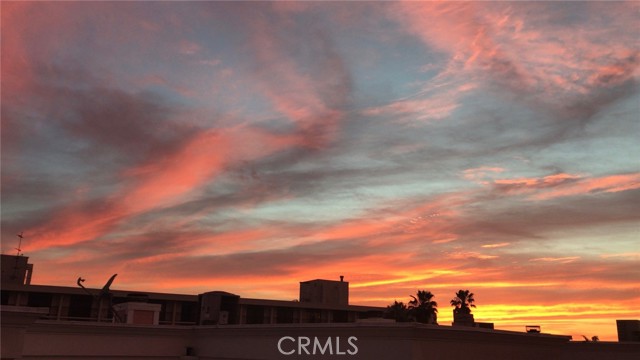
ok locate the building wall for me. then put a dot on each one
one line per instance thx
(87, 341)
(93, 341)
(325, 292)
(15, 269)
(628, 330)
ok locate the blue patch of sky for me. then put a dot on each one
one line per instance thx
(318, 209)
(585, 241)
(382, 76)
(607, 145)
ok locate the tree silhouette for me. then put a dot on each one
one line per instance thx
(463, 302)
(397, 311)
(423, 309)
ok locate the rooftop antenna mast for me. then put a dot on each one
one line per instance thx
(16, 267)
(104, 293)
(19, 243)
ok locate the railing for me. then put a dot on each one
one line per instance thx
(109, 320)
(77, 318)
(180, 323)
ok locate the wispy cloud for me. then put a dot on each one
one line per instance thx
(490, 246)
(563, 260)
(411, 145)
(561, 185)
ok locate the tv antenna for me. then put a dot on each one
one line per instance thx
(19, 243)
(105, 293)
(16, 267)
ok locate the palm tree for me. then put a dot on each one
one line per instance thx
(397, 311)
(423, 308)
(463, 302)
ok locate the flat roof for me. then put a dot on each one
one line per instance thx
(53, 289)
(308, 305)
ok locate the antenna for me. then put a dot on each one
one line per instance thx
(19, 243)
(104, 293)
(17, 268)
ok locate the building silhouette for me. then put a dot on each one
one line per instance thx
(321, 301)
(44, 322)
(628, 330)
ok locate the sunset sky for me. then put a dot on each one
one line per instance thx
(246, 147)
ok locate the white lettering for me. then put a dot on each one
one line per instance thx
(351, 340)
(327, 348)
(280, 345)
(316, 345)
(302, 346)
(338, 352)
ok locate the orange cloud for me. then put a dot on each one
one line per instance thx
(496, 245)
(563, 260)
(470, 255)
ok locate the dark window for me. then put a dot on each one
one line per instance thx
(5, 297)
(340, 316)
(118, 300)
(284, 316)
(80, 306)
(188, 312)
(313, 316)
(37, 299)
(230, 305)
(316, 316)
(255, 314)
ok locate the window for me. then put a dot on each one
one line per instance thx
(80, 306)
(284, 316)
(38, 299)
(255, 314)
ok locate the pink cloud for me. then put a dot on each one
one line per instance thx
(553, 186)
(436, 99)
(310, 99)
(482, 172)
(526, 47)
(424, 109)
(161, 182)
(527, 184)
(605, 184)
(189, 48)
(561, 185)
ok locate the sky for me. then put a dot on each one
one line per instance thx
(248, 146)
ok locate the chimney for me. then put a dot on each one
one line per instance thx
(341, 278)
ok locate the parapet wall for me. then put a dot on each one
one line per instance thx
(358, 341)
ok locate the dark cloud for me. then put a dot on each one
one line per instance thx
(107, 119)
(273, 262)
(83, 135)
(526, 221)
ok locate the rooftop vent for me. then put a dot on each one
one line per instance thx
(533, 329)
